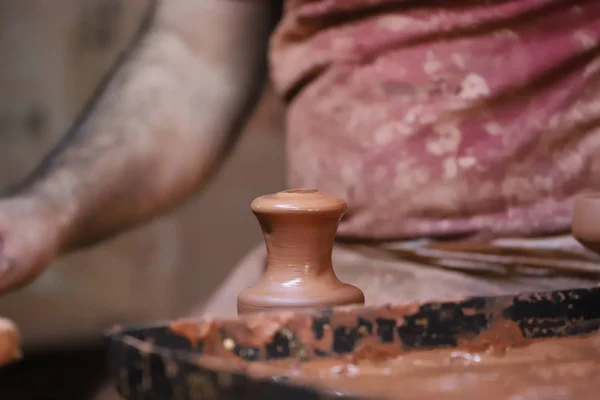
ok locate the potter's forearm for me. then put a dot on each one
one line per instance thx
(165, 120)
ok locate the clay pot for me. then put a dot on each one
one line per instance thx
(585, 225)
(299, 228)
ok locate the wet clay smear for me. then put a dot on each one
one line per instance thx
(538, 346)
(550, 369)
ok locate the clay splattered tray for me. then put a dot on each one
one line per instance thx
(251, 357)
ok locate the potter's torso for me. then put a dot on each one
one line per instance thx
(459, 117)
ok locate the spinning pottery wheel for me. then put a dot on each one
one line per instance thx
(321, 344)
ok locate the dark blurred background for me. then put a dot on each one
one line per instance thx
(52, 56)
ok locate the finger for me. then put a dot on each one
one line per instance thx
(13, 276)
(10, 342)
(9, 275)
(4, 266)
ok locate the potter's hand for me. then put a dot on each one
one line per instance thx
(159, 128)
(28, 241)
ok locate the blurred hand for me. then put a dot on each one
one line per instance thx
(29, 241)
(10, 342)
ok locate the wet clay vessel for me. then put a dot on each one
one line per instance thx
(585, 225)
(299, 228)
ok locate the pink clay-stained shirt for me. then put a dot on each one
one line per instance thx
(434, 118)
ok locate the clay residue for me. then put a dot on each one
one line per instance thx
(193, 331)
(496, 362)
(541, 370)
(385, 356)
(500, 336)
(258, 329)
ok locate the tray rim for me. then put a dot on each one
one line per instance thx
(124, 335)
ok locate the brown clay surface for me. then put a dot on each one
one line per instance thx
(299, 228)
(552, 369)
(499, 363)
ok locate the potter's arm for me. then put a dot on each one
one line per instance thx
(164, 122)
